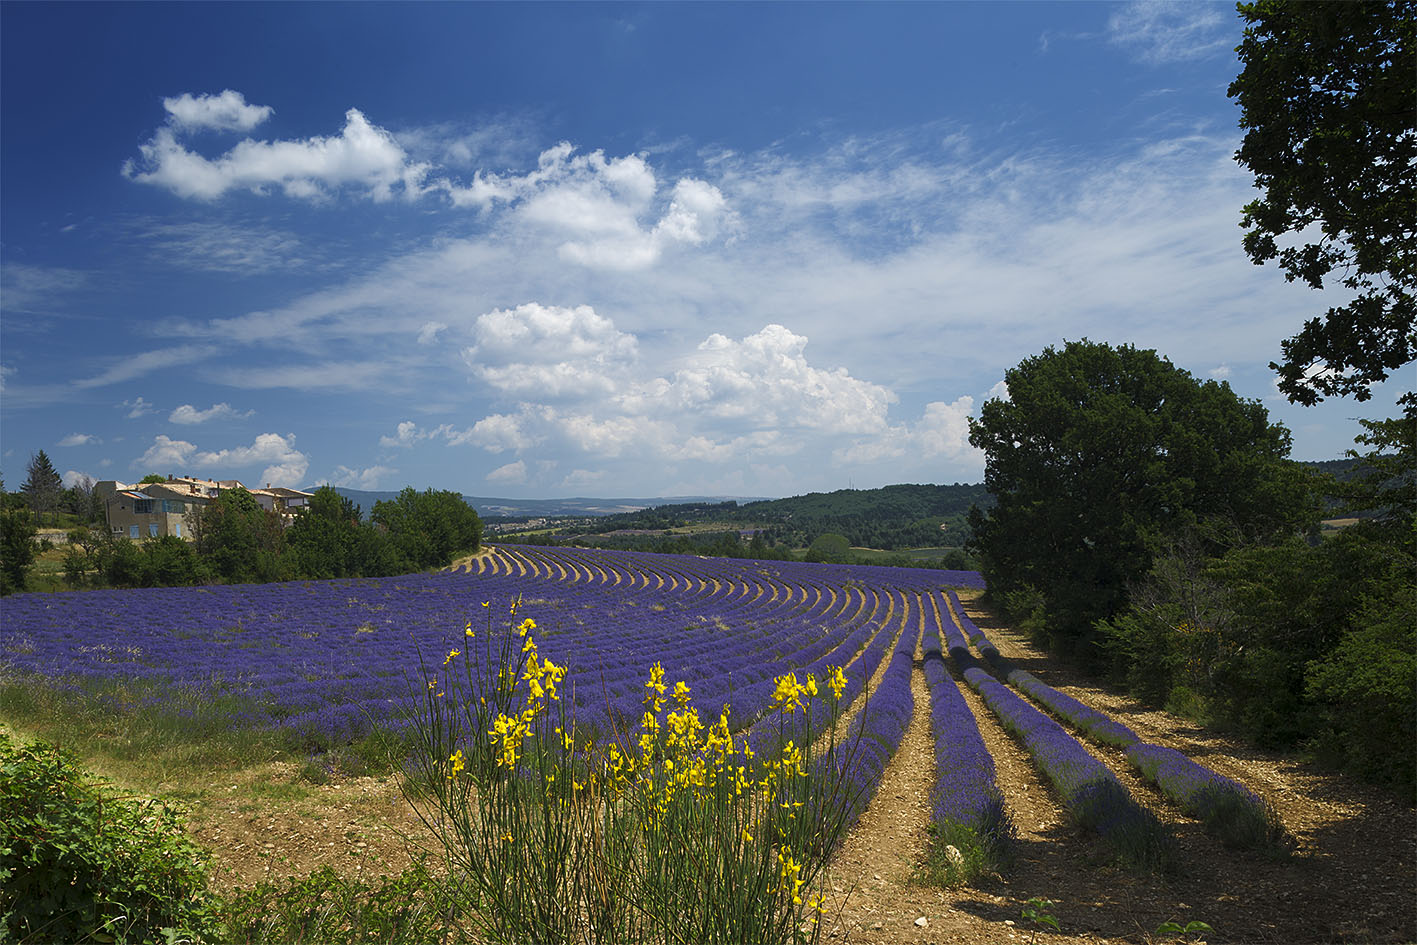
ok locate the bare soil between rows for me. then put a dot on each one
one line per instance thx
(1352, 877)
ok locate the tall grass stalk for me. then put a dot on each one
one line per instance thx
(675, 831)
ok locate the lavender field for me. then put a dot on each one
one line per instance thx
(317, 666)
(324, 661)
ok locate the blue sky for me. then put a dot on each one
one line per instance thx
(604, 249)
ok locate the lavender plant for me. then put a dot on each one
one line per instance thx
(1229, 810)
(1089, 791)
(971, 832)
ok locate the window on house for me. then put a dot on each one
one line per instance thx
(133, 531)
(143, 506)
(152, 529)
(177, 529)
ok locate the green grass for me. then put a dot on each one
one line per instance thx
(142, 733)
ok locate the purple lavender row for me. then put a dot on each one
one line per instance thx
(972, 632)
(1093, 723)
(781, 572)
(1228, 809)
(876, 733)
(1089, 790)
(876, 638)
(967, 810)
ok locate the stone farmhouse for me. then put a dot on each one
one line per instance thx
(154, 509)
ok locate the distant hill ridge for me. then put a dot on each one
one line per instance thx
(895, 501)
(492, 507)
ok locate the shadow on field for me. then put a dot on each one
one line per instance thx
(1064, 866)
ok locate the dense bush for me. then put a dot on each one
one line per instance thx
(1098, 456)
(1291, 645)
(429, 527)
(17, 533)
(79, 864)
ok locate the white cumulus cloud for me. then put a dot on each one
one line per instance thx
(368, 479)
(941, 432)
(166, 455)
(406, 434)
(603, 209)
(512, 472)
(284, 464)
(549, 351)
(73, 477)
(227, 111)
(765, 379)
(78, 439)
(188, 414)
(495, 433)
(362, 156)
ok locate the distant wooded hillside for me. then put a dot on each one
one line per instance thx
(890, 518)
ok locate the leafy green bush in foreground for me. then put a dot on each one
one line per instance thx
(78, 864)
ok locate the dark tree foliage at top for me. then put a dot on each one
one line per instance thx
(1102, 454)
(1327, 98)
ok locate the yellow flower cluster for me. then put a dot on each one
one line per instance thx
(790, 876)
(674, 771)
(791, 695)
(655, 689)
(541, 678)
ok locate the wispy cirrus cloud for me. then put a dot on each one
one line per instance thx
(31, 289)
(146, 362)
(325, 375)
(1167, 31)
(225, 247)
(137, 407)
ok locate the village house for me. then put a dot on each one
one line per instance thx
(153, 509)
